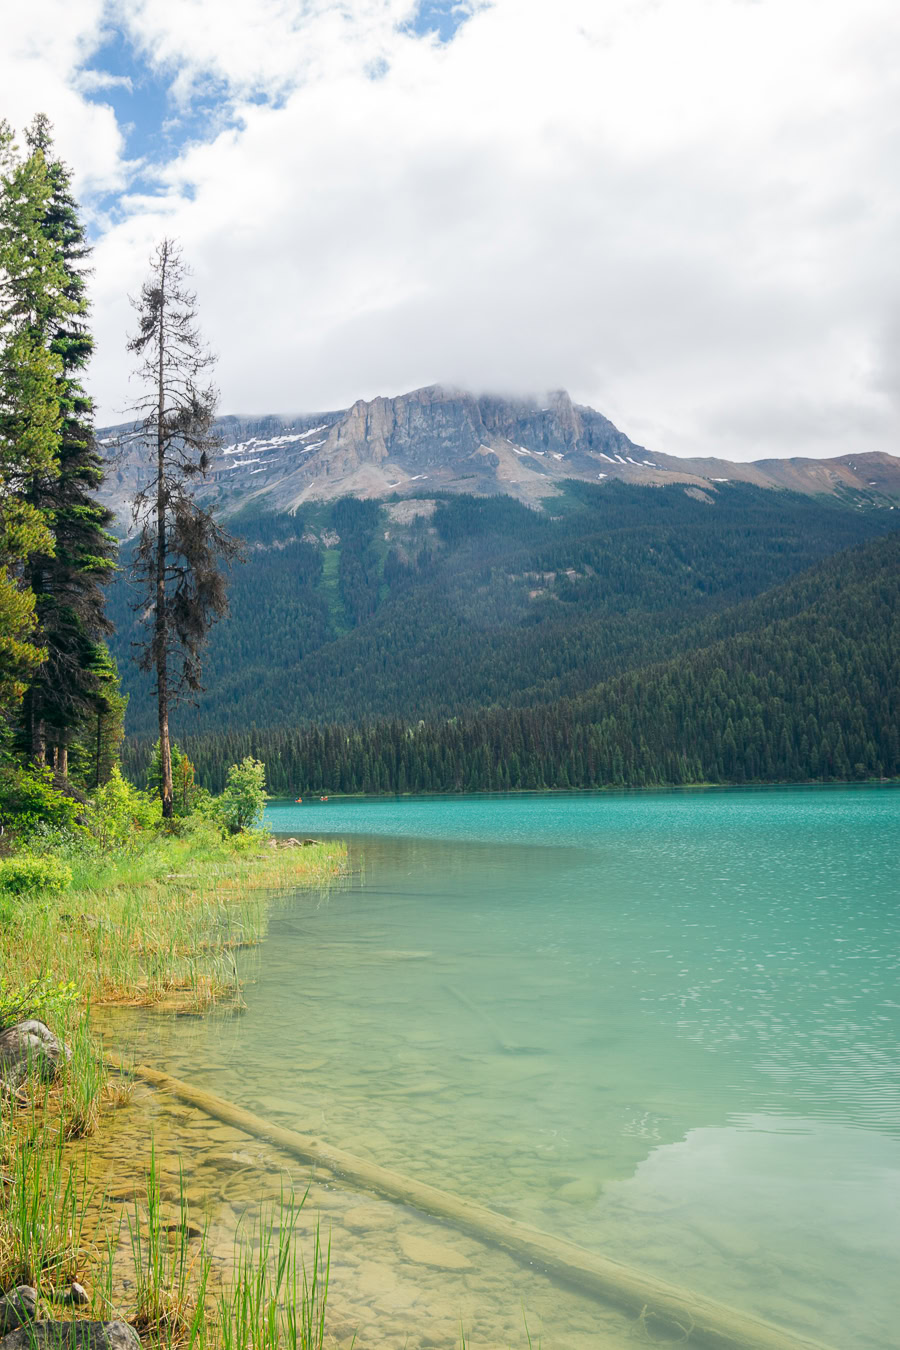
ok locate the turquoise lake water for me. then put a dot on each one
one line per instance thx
(664, 1025)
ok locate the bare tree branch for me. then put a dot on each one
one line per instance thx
(181, 548)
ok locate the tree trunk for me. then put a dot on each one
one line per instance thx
(62, 760)
(35, 731)
(162, 625)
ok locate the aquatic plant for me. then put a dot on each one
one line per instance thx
(170, 1275)
(45, 1203)
(272, 1300)
(82, 1080)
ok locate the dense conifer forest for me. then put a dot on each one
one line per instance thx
(800, 683)
(343, 614)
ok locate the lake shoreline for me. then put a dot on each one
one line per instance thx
(320, 799)
(158, 931)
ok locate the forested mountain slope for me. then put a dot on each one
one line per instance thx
(357, 611)
(806, 687)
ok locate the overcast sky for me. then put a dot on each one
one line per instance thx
(683, 211)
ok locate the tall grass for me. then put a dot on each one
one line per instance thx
(46, 1197)
(82, 1080)
(273, 1300)
(171, 1276)
(161, 927)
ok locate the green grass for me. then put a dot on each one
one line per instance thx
(331, 560)
(273, 1299)
(171, 1277)
(161, 926)
(55, 1229)
(44, 1206)
(157, 922)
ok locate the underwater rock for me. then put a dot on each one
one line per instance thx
(72, 1336)
(374, 1279)
(579, 1192)
(728, 1238)
(426, 1252)
(363, 1218)
(30, 1044)
(17, 1308)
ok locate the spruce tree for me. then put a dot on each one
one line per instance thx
(181, 547)
(94, 745)
(31, 288)
(68, 580)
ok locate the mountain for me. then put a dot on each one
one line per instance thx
(801, 683)
(356, 610)
(438, 440)
(397, 569)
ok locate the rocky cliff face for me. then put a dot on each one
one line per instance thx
(439, 439)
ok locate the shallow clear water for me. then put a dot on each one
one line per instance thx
(664, 1025)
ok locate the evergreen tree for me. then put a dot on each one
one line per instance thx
(68, 580)
(181, 547)
(806, 686)
(94, 750)
(31, 291)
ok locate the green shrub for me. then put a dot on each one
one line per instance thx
(120, 815)
(24, 874)
(63, 842)
(243, 802)
(28, 795)
(41, 998)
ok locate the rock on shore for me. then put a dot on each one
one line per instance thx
(72, 1336)
(30, 1045)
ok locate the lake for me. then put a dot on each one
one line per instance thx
(665, 1026)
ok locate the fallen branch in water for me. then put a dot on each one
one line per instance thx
(712, 1325)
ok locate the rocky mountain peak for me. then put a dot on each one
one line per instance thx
(440, 438)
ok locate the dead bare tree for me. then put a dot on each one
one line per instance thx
(181, 548)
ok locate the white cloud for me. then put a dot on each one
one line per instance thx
(269, 45)
(90, 81)
(685, 211)
(45, 45)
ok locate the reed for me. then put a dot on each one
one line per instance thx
(46, 1198)
(171, 1275)
(273, 1300)
(83, 1082)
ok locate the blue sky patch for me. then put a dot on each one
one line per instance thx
(143, 108)
(443, 17)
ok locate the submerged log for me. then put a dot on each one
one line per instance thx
(663, 1309)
